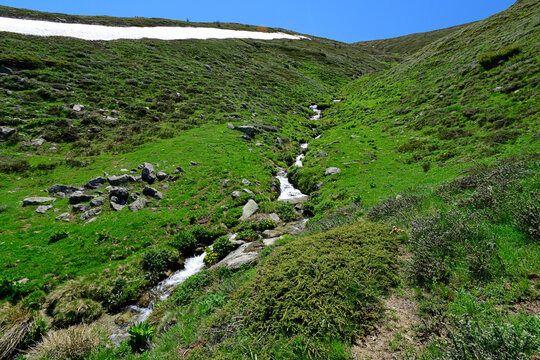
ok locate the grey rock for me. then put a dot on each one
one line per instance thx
(120, 194)
(245, 137)
(98, 201)
(116, 206)
(38, 200)
(249, 130)
(236, 194)
(246, 182)
(248, 191)
(161, 175)
(6, 70)
(321, 154)
(174, 178)
(64, 216)
(275, 217)
(63, 190)
(271, 241)
(245, 254)
(110, 119)
(208, 67)
(137, 204)
(230, 126)
(124, 170)
(81, 208)
(117, 180)
(6, 132)
(37, 142)
(293, 228)
(95, 182)
(332, 171)
(225, 182)
(78, 107)
(298, 206)
(79, 197)
(193, 163)
(249, 209)
(150, 191)
(91, 213)
(42, 209)
(148, 173)
(178, 170)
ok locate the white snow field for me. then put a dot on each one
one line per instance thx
(108, 33)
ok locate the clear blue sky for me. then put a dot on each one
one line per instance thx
(344, 20)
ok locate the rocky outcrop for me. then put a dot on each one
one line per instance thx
(81, 208)
(138, 204)
(148, 173)
(63, 216)
(91, 213)
(249, 209)
(98, 201)
(38, 200)
(150, 191)
(117, 180)
(245, 254)
(63, 190)
(79, 197)
(6, 132)
(95, 183)
(42, 209)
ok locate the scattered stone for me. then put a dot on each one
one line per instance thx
(37, 142)
(230, 126)
(137, 204)
(78, 107)
(245, 254)
(115, 205)
(193, 163)
(178, 170)
(110, 119)
(246, 182)
(148, 173)
(225, 182)
(208, 67)
(120, 193)
(321, 154)
(174, 178)
(37, 200)
(91, 213)
(236, 194)
(249, 209)
(355, 136)
(249, 130)
(150, 191)
(117, 180)
(63, 190)
(248, 191)
(79, 197)
(63, 216)
(124, 170)
(332, 171)
(94, 129)
(98, 201)
(271, 241)
(279, 141)
(161, 175)
(6, 132)
(95, 182)
(275, 217)
(298, 206)
(90, 221)
(81, 208)
(332, 143)
(42, 209)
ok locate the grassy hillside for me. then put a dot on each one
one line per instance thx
(435, 206)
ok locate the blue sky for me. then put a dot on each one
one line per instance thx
(344, 20)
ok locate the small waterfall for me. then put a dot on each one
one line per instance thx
(317, 111)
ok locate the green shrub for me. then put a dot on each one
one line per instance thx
(394, 206)
(526, 213)
(247, 235)
(492, 59)
(318, 286)
(34, 300)
(140, 335)
(286, 211)
(9, 289)
(211, 257)
(262, 225)
(205, 235)
(231, 219)
(156, 261)
(189, 288)
(304, 179)
(209, 303)
(76, 311)
(222, 246)
(184, 241)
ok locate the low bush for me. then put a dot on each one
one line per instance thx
(232, 216)
(318, 286)
(9, 289)
(76, 311)
(394, 206)
(492, 59)
(304, 179)
(247, 235)
(205, 235)
(21, 61)
(286, 211)
(526, 215)
(11, 165)
(34, 300)
(184, 242)
(156, 261)
(222, 246)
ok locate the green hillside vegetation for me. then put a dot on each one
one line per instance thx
(436, 205)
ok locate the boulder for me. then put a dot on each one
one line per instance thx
(37, 200)
(79, 197)
(178, 170)
(95, 182)
(98, 201)
(150, 191)
(81, 208)
(117, 180)
(236, 194)
(148, 173)
(275, 217)
(116, 205)
(42, 209)
(121, 194)
(245, 137)
(6, 132)
(161, 175)
(249, 209)
(137, 204)
(332, 171)
(78, 107)
(230, 126)
(64, 217)
(63, 190)
(249, 130)
(37, 142)
(245, 254)
(246, 182)
(91, 213)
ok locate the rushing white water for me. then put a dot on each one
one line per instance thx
(159, 292)
(288, 191)
(317, 115)
(108, 33)
(299, 158)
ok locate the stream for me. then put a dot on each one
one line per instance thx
(160, 292)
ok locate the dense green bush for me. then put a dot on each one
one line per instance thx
(205, 235)
(222, 246)
(57, 236)
(286, 211)
(232, 216)
(394, 206)
(9, 289)
(184, 241)
(320, 286)
(156, 261)
(247, 235)
(21, 61)
(305, 179)
(491, 59)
